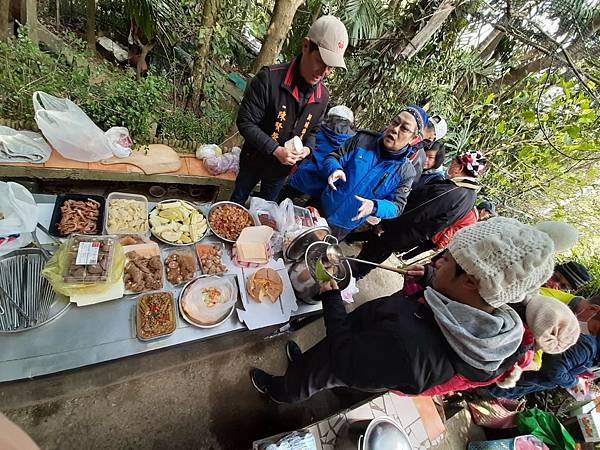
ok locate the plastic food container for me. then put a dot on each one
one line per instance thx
(146, 251)
(57, 213)
(181, 252)
(201, 252)
(124, 196)
(89, 258)
(145, 313)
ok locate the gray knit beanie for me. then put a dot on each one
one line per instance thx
(511, 260)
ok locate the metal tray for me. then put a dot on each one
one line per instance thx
(126, 196)
(56, 214)
(137, 317)
(165, 252)
(174, 243)
(216, 205)
(56, 307)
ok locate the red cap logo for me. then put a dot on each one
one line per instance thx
(341, 45)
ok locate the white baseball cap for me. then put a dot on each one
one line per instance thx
(440, 126)
(341, 111)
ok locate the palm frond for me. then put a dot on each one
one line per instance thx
(365, 19)
(155, 18)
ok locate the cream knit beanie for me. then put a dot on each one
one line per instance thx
(511, 260)
(552, 323)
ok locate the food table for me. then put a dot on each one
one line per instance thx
(97, 333)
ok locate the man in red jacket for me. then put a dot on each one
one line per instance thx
(284, 101)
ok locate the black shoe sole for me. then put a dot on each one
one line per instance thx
(261, 391)
(265, 393)
(287, 353)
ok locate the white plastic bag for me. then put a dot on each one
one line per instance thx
(208, 150)
(18, 210)
(119, 141)
(268, 213)
(279, 217)
(229, 162)
(18, 216)
(288, 216)
(69, 130)
(23, 146)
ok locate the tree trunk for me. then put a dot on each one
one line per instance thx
(209, 18)
(576, 51)
(91, 25)
(57, 15)
(426, 33)
(485, 50)
(30, 18)
(141, 65)
(488, 46)
(281, 20)
(4, 9)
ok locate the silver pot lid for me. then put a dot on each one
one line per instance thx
(295, 251)
(384, 433)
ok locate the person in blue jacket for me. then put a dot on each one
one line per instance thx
(557, 370)
(309, 179)
(371, 175)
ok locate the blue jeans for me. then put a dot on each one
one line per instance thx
(248, 178)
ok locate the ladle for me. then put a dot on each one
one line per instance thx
(335, 256)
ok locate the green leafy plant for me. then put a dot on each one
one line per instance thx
(109, 95)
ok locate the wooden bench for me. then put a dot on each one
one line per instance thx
(192, 172)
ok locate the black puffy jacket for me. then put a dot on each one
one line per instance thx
(394, 343)
(430, 209)
(277, 106)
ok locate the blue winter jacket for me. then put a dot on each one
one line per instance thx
(310, 177)
(371, 173)
(557, 370)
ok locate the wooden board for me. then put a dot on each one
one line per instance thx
(152, 159)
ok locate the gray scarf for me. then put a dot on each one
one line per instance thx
(480, 339)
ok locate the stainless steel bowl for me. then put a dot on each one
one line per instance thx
(381, 433)
(216, 205)
(174, 243)
(196, 324)
(297, 248)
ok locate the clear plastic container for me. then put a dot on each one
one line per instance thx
(135, 282)
(212, 267)
(90, 258)
(173, 273)
(166, 326)
(125, 196)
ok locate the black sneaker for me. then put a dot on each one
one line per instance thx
(292, 351)
(260, 380)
